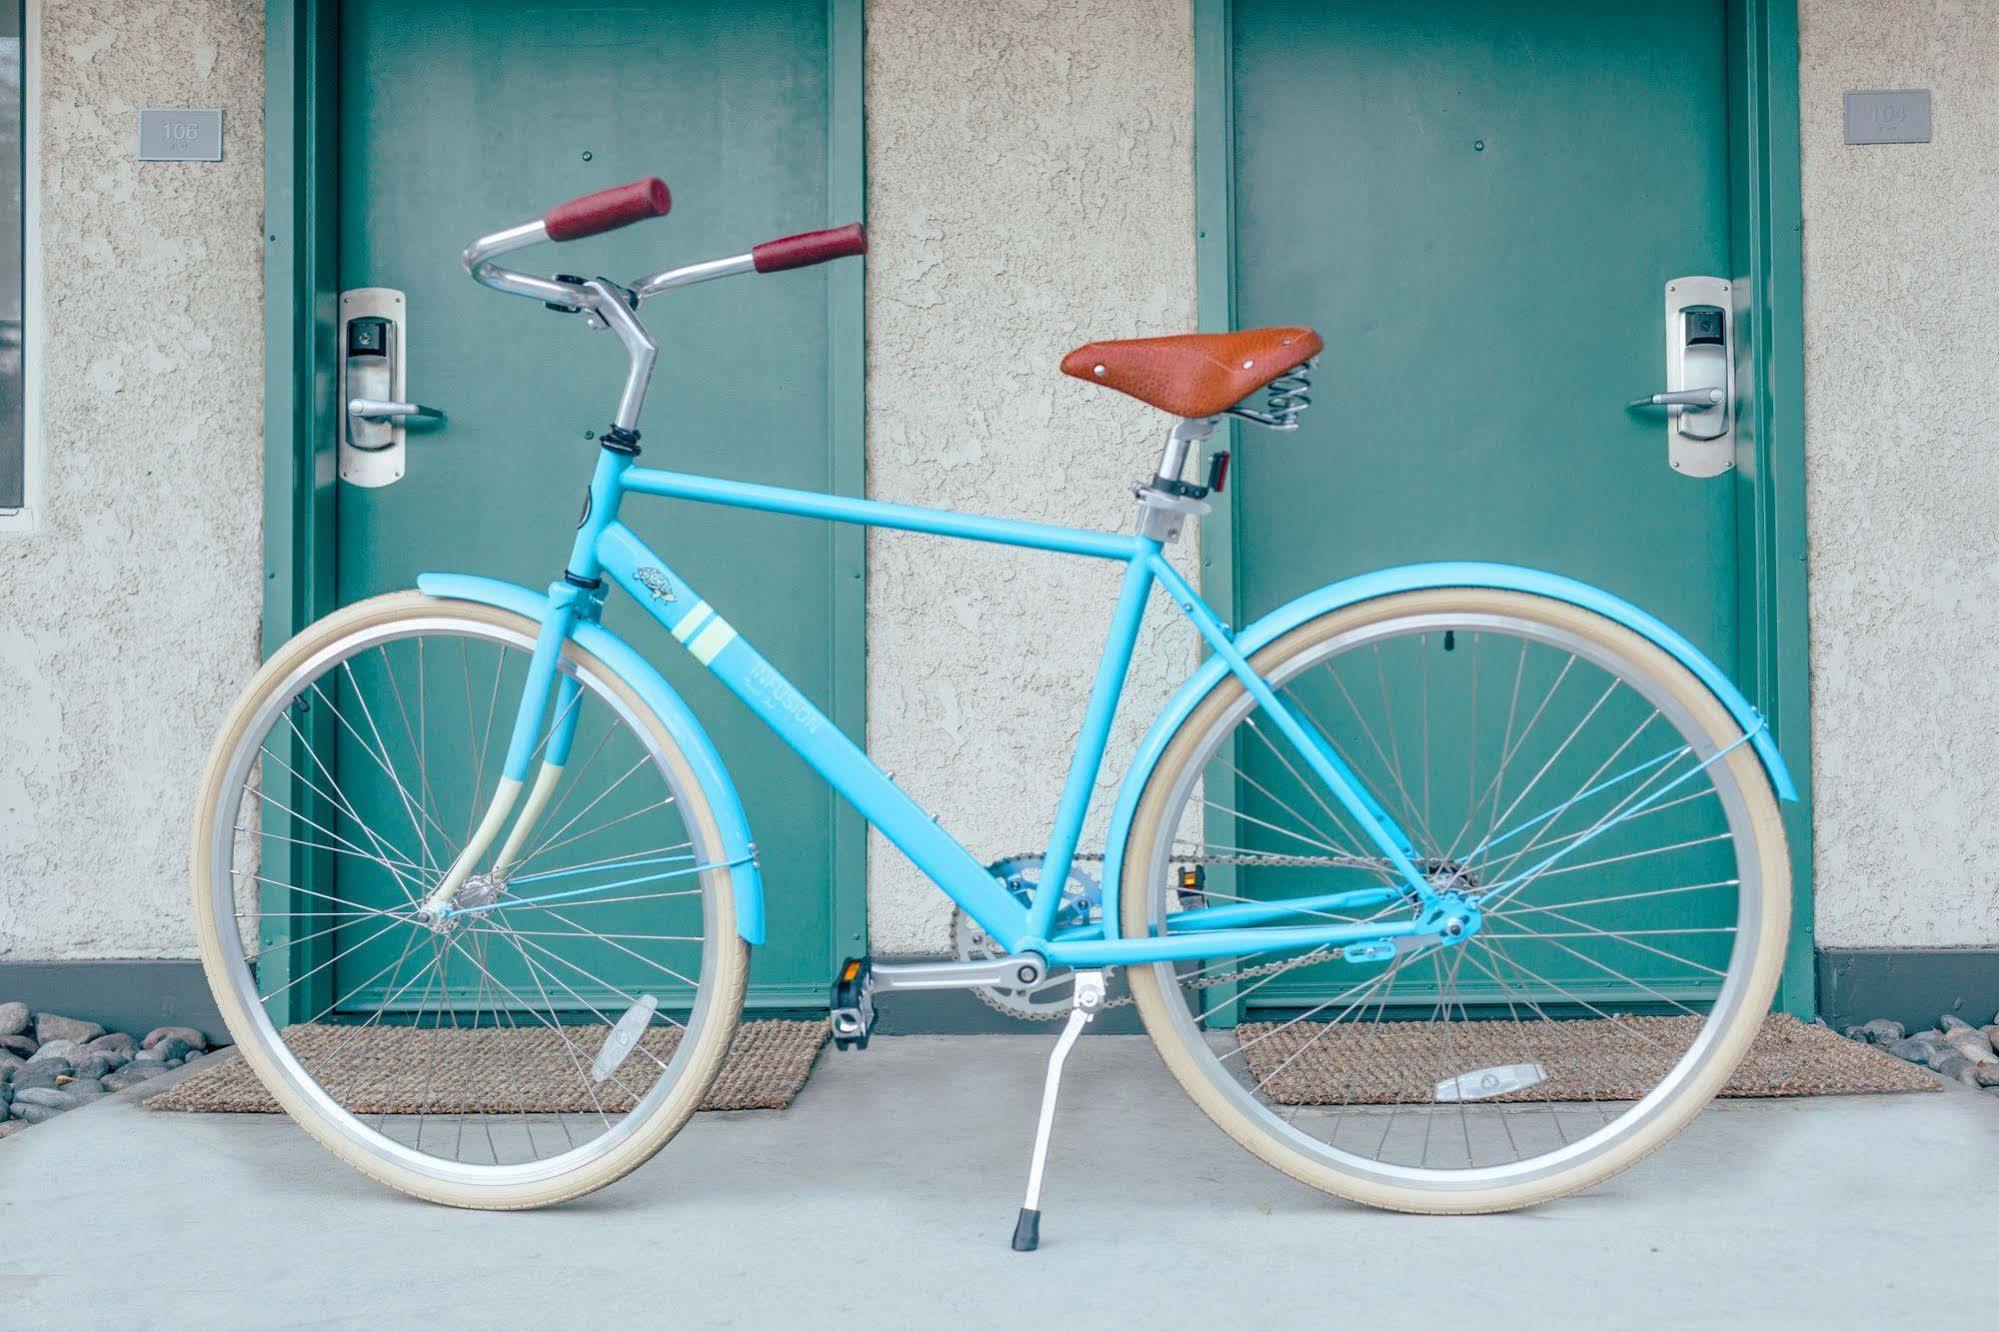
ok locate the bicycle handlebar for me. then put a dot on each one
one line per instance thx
(811, 247)
(609, 305)
(607, 210)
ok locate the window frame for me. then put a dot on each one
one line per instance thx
(29, 515)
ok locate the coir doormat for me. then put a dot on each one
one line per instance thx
(1600, 1059)
(500, 1070)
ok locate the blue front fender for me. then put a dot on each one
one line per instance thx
(1414, 578)
(666, 704)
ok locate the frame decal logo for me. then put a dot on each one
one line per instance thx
(654, 581)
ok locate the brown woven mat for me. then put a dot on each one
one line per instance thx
(1615, 1059)
(501, 1070)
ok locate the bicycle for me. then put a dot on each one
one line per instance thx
(1379, 871)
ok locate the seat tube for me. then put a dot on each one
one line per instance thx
(1089, 759)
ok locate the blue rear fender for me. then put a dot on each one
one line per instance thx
(739, 850)
(1415, 578)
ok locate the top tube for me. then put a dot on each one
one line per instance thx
(880, 513)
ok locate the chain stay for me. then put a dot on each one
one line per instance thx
(1200, 982)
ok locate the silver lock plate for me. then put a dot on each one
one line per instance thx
(1700, 442)
(371, 450)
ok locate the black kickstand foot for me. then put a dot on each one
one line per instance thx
(1027, 1231)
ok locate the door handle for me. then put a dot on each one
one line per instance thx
(376, 409)
(1700, 400)
(1699, 397)
(375, 406)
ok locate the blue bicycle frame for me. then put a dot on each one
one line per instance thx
(605, 547)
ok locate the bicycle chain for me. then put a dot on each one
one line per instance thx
(1198, 982)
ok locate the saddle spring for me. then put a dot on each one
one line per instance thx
(1285, 397)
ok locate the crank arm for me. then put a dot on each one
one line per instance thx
(1018, 969)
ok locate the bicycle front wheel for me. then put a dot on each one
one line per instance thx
(1582, 787)
(566, 1018)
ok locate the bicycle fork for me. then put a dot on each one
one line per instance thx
(521, 750)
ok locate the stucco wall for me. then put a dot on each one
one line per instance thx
(1901, 341)
(130, 616)
(1030, 188)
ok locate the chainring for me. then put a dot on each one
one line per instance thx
(1052, 995)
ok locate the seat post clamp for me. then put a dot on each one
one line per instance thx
(1162, 513)
(620, 440)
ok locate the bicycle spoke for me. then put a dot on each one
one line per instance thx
(472, 1040)
(1604, 865)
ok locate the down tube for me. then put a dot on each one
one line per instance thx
(715, 643)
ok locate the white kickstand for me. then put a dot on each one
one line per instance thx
(1089, 998)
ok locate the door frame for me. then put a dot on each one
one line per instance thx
(301, 285)
(1766, 253)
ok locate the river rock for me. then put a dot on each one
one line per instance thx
(60, 1048)
(1882, 1031)
(114, 1042)
(55, 1027)
(1950, 1064)
(23, 1046)
(195, 1040)
(55, 1098)
(86, 1065)
(1917, 1048)
(1972, 1044)
(14, 1018)
(170, 1049)
(30, 1113)
(8, 1063)
(129, 1076)
(53, 1066)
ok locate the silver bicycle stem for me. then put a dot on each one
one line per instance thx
(598, 298)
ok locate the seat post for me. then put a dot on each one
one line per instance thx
(1180, 441)
(1166, 502)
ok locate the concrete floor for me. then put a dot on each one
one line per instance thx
(884, 1198)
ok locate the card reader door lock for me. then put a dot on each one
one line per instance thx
(374, 373)
(1699, 397)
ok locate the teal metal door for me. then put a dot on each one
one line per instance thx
(458, 117)
(1479, 205)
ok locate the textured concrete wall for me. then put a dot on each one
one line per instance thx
(1030, 188)
(1901, 340)
(130, 616)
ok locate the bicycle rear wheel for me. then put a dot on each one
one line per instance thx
(1585, 789)
(564, 1022)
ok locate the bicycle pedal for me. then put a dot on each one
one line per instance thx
(853, 1004)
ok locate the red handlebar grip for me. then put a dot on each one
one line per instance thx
(607, 210)
(813, 247)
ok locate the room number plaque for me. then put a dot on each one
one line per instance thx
(180, 134)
